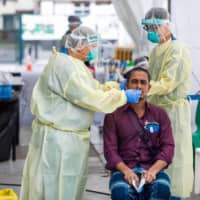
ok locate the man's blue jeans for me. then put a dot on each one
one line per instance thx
(158, 189)
(175, 198)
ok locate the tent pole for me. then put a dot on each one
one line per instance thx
(169, 6)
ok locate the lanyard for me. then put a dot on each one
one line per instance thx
(141, 131)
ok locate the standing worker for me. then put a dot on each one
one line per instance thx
(170, 69)
(73, 22)
(64, 101)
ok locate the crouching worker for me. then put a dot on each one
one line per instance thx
(138, 146)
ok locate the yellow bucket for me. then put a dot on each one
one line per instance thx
(8, 194)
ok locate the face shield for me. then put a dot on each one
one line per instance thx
(154, 28)
(93, 45)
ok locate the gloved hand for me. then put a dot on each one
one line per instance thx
(133, 96)
(122, 85)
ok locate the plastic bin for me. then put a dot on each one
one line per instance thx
(5, 91)
(8, 194)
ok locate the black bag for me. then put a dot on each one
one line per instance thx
(9, 126)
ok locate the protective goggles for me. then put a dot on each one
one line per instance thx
(153, 24)
(93, 38)
(74, 23)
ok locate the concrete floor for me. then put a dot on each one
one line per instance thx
(10, 177)
(98, 177)
(11, 171)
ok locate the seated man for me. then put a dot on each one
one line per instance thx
(138, 146)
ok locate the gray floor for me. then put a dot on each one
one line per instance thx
(11, 171)
(98, 177)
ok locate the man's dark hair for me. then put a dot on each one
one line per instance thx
(135, 69)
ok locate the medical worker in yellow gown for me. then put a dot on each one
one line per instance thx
(170, 69)
(64, 101)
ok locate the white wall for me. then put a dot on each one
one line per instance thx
(9, 8)
(64, 9)
(185, 17)
(25, 5)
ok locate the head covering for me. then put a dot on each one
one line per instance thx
(154, 19)
(155, 16)
(157, 13)
(82, 36)
(140, 62)
(74, 20)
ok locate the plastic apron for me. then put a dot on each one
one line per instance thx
(170, 69)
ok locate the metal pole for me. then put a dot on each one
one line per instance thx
(169, 6)
(20, 41)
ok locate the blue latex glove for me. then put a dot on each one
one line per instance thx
(122, 85)
(133, 96)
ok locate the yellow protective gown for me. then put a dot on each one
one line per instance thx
(170, 69)
(64, 101)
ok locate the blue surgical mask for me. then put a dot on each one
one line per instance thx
(91, 55)
(153, 36)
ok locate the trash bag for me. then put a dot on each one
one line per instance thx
(8, 126)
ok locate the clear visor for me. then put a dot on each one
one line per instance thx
(79, 42)
(153, 24)
(74, 23)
